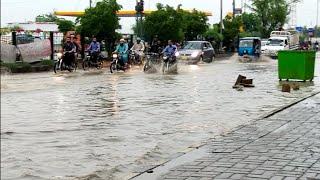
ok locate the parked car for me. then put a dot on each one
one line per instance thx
(195, 51)
(24, 38)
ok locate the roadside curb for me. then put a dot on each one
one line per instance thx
(201, 146)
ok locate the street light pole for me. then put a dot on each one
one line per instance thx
(233, 8)
(221, 22)
(317, 19)
(90, 3)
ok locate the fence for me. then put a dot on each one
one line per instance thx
(33, 47)
(29, 47)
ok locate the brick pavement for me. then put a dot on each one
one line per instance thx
(283, 146)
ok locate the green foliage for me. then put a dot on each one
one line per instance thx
(100, 21)
(213, 35)
(194, 24)
(47, 18)
(272, 14)
(231, 30)
(176, 24)
(251, 22)
(249, 34)
(4, 31)
(65, 25)
(166, 22)
(49, 63)
(17, 67)
(15, 28)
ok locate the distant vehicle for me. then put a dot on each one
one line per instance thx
(249, 49)
(281, 40)
(276, 44)
(195, 51)
(24, 38)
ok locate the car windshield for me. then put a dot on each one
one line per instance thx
(274, 42)
(192, 45)
(246, 43)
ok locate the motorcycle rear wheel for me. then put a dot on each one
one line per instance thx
(85, 65)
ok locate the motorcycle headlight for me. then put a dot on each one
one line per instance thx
(194, 54)
(165, 57)
(114, 55)
(59, 55)
(177, 54)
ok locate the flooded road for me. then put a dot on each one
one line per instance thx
(106, 125)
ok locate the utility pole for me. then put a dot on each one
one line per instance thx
(221, 22)
(90, 3)
(233, 8)
(139, 17)
(317, 19)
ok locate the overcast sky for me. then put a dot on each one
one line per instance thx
(27, 10)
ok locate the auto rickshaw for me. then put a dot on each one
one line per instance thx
(249, 49)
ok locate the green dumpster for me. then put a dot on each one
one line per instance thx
(295, 64)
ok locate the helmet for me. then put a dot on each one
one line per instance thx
(122, 40)
(138, 39)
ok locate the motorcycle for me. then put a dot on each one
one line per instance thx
(88, 63)
(135, 57)
(152, 59)
(116, 65)
(169, 64)
(60, 64)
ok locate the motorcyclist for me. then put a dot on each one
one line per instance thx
(94, 49)
(156, 47)
(170, 49)
(138, 49)
(73, 40)
(69, 52)
(122, 49)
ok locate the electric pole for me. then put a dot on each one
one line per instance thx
(221, 22)
(90, 3)
(233, 8)
(317, 19)
(139, 17)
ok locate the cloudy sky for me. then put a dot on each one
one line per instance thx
(27, 10)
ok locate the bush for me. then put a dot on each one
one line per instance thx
(20, 67)
(47, 63)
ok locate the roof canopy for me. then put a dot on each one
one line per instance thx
(122, 13)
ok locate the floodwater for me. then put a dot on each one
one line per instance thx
(109, 126)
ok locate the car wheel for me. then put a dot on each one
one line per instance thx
(212, 59)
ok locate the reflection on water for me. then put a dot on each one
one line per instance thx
(109, 126)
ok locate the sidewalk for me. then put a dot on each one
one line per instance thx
(285, 145)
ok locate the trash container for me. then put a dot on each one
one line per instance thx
(295, 64)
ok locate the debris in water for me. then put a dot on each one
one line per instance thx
(286, 88)
(295, 87)
(241, 82)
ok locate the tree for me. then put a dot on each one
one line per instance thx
(272, 14)
(231, 30)
(194, 24)
(166, 22)
(176, 24)
(251, 22)
(47, 18)
(65, 26)
(213, 35)
(101, 21)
